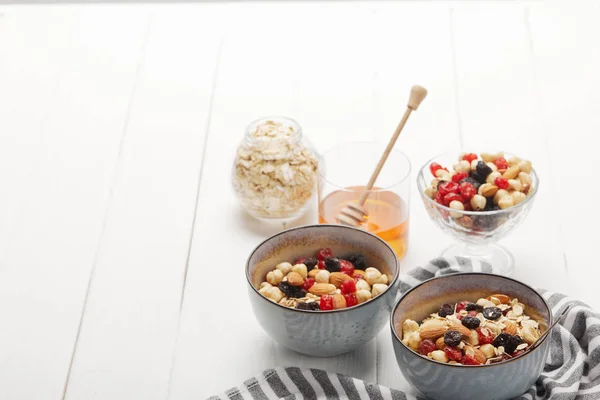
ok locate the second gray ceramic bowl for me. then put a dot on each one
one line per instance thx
(440, 381)
(321, 333)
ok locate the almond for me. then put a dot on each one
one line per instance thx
(504, 299)
(336, 278)
(313, 272)
(477, 355)
(433, 329)
(458, 326)
(320, 289)
(339, 301)
(512, 172)
(510, 327)
(359, 272)
(295, 279)
(440, 344)
(488, 190)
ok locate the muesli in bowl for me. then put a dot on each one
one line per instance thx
(324, 282)
(487, 331)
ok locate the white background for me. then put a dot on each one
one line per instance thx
(121, 244)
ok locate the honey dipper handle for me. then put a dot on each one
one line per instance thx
(417, 94)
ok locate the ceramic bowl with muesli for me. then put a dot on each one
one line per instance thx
(470, 336)
(322, 290)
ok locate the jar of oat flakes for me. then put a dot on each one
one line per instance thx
(275, 169)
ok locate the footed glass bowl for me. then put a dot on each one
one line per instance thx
(476, 231)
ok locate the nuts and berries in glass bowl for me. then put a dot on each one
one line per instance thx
(487, 182)
(490, 330)
(324, 282)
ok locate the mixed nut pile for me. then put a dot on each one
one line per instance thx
(491, 330)
(324, 282)
(487, 184)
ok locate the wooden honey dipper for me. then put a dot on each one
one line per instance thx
(355, 214)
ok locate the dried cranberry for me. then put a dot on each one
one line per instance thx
(467, 191)
(348, 287)
(469, 360)
(453, 353)
(308, 283)
(426, 347)
(450, 197)
(448, 187)
(324, 253)
(433, 167)
(326, 302)
(470, 157)
(472, 181)
(321, 264)
(501, 163)
(459, 176)
(350, 299)
(439, 198)
(485, 336)
(472, 313)
(346, 267)
(501, 183)
(467, 206)
(461, 306)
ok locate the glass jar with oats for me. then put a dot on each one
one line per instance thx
(275, 170)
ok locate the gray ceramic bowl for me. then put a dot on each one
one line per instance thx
(321, 333)
(436, 380)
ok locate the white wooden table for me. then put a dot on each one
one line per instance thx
(121, 244)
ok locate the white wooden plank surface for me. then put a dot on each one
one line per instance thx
(566, 64)
(53, 238)
(499, 110)
(497, 73)
(132, 312)
(432, 129)
(292, 73)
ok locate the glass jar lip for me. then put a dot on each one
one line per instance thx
(404, 177)
(421, 187)
(276, 118)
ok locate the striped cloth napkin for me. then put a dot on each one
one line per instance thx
(572, 369)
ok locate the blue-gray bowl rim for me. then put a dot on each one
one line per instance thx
(395, 334)
(390, 284)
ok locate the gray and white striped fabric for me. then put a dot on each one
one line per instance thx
(572, 370)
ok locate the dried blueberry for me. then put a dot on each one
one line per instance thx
(445, 310)
(310, 263)
(332, 264)
(483, 169)
(474, 307)
(478, 177)
(470, 322)
(509, 342)
(452, 337)
(492, 313)
(472, 181)
(312, 306)
(292, 291)
(358, 260)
